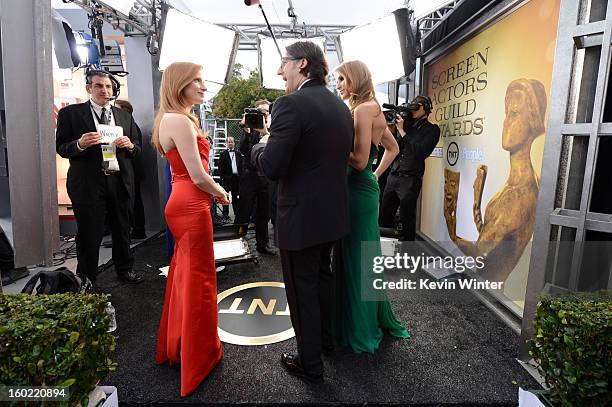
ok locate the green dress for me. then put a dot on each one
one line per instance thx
(361, 320)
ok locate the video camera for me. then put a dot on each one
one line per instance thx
(402, 110)
(254, 118)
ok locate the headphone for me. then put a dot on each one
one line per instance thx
(426, 102)
(97, 72)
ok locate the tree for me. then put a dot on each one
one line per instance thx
(240, 93)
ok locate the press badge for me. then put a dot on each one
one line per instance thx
(109, 157)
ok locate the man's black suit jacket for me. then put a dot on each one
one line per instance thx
(225, 163)
(311, 138)
(85, 177)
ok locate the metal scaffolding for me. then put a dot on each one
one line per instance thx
(429, 21)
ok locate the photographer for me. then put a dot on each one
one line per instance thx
(418, 139)
(254, 187)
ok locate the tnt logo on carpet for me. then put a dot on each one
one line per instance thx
(254, 314)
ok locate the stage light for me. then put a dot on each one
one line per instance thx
(64, 43)
(269, 61)
(188, 39)
(83, 51)
(377, 44)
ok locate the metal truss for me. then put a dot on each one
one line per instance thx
(248, 33)
(143, 20)
(429, 21)
(146, 15)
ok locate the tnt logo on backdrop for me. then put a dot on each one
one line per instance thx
(452, 153)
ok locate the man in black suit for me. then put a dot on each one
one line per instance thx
(307, 151)
(95, 188)
(230, 170)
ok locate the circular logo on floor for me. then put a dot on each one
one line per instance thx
(254, 314)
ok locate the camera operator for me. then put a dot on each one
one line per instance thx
(418, 139)
(254, 187)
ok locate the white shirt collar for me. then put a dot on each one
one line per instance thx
(98, 107)
(302, 84)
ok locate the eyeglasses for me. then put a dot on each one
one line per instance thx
(284, 60)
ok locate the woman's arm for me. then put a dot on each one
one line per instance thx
(363, 119)
(185, 140)
(391, 151)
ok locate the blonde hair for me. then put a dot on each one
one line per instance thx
(358, 81)
(177, 76)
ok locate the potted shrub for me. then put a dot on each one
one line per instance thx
(572, 347)
(55, 340)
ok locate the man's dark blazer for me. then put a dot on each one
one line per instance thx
(311, 138)
(85, 177)
(225, 163)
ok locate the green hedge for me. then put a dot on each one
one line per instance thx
(55, 340)
(573, 347)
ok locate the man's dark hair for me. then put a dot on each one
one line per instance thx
(317, 67)
(124, 105)
(95, 72)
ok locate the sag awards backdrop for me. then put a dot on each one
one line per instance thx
(490, 99)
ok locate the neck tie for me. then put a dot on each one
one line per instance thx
(103, 117)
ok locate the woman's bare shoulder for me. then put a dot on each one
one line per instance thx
(175, 118)
(370, 108)
(176, 122)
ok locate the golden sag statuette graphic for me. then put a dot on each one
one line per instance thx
(254, 314)
(510, 214)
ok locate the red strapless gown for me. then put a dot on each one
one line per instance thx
(188, 328)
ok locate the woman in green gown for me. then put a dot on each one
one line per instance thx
(361, 319)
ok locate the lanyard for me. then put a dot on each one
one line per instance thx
(99, 118)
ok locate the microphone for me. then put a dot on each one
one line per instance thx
(388, 106)
(256, 2)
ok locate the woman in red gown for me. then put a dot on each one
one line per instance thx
(188, 328)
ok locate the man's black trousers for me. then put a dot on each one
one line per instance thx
(114, 200)
(232, 184)
(309, 284)
(7, 257)
(254, 193)
(402, 191)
